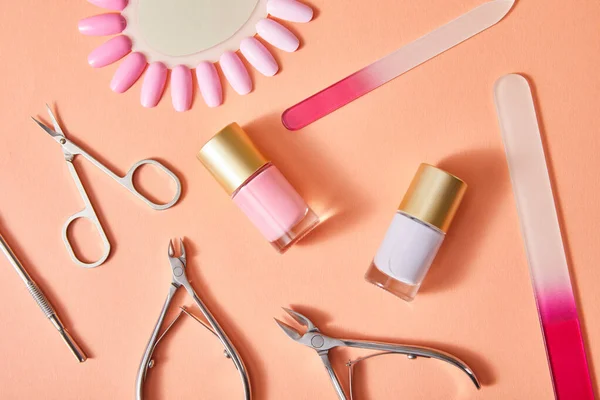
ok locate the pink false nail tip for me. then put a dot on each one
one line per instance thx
(181, 88)
(109, 52)
(210, 84)
(235, 72)
(102, 25)
(128, 72)
(116, 5)
(258, 55)
(290, 10)
(154, 84)
(278, 35)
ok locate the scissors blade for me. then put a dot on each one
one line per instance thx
(49, 131)
(57, 127)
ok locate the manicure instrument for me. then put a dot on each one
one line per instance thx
(179, 279)
(42, 301)
(321, 343)
(70, 150)
(395, 64)
(540, 228)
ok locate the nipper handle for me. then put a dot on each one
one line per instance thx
(339, 389)
(230, 349)
(147, 358)
(414, 352)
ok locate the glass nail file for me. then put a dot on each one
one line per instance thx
(543, 242)
(395, 64)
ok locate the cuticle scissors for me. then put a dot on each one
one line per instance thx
(70, 151)
(179, 279)
(322, 343)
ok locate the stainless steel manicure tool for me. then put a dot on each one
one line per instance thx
(322, 343)
(70, 150)
(42, 301)
(179, 279)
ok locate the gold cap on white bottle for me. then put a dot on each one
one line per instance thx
(433, 196)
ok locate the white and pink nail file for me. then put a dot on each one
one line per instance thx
(395, 64)
(543, 242)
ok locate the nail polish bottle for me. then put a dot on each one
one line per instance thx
(257, 187)
(416, 232)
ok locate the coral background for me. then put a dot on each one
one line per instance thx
(353, 166)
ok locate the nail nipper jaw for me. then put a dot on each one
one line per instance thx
(312, 338)
(302, 320)
(178, 264)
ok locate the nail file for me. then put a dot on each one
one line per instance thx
(543, 242)
(395, 64)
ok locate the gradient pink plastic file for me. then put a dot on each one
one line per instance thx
(543, 242)
(395, 64)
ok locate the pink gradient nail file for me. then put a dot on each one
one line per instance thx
(543, 242)
(395, 64)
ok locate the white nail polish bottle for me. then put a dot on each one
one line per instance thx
(416, 232)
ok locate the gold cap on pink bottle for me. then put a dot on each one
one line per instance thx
(231, 157)
(257, 187)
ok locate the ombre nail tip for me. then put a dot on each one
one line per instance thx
(153, 86)
(277, 35)
(259, 56)
(128, 72)
(209, 84)
(110, 51)
(181, 88)
(236, 73)
(290, 10)
(102, 25)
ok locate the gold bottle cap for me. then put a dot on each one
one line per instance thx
(231, 157)
(433, 196)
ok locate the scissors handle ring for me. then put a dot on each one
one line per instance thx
(89, 214)
(127, 182)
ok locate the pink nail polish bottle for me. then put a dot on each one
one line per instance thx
(257, 187)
